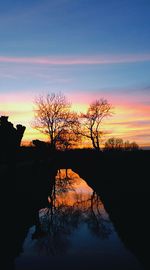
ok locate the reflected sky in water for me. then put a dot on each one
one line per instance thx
(74, 232)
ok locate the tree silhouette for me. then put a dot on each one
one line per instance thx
(114, 144)
(118, 144)
(131, 146)
(68, 139)
(91, 121)
(54, 118)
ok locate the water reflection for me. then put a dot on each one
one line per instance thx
(71, 203)
(74, 231)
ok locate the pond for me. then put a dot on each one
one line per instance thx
(74, 231)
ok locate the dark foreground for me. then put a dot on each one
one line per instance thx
(120, 179)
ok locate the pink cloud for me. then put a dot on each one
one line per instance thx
(17, 97)
(79, 60)
(129, 121)
(116, 98)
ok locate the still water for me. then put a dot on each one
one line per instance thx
(74, 232)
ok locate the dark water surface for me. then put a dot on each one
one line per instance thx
(74, 231)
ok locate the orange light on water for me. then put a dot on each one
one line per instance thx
(75, 189)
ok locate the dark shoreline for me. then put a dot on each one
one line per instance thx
(121, 179)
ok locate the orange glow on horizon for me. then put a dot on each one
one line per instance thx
(131, 121)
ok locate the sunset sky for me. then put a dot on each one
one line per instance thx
(87, 49)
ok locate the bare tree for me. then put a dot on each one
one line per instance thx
(118, 144)
(91, 121)
(54, 118)
(68, 139)
(131, 146)
(114, 144)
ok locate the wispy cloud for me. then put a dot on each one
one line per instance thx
(77, 60)
(137, 123)
(131, 120)
(8, 76)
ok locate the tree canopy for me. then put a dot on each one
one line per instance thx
(54, 118)
(91, 121)
(118, 144)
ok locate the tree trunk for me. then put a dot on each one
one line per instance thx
(97, 141)
(93, 142)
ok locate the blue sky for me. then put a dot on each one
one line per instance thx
(74, 26)
(76, 46)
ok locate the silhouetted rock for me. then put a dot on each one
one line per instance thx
(10, 138)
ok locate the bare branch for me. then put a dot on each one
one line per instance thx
(53, 117)
(92, 119)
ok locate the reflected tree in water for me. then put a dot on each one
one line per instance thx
(97, 221)
(62, 217)
(94, 215)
